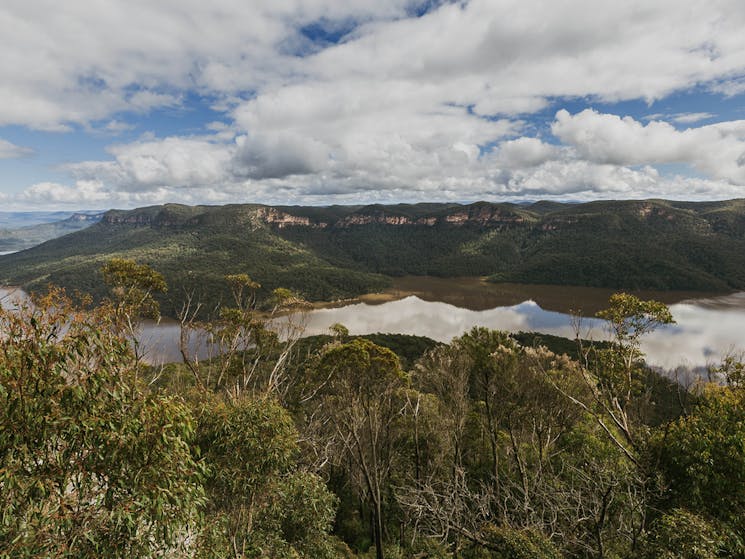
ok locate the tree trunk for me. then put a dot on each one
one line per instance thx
(378, 531)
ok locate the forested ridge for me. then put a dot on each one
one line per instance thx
(327, 253)
(491, 446)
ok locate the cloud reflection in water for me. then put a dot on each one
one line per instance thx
(703, 333)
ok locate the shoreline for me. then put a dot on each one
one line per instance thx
(476, 293)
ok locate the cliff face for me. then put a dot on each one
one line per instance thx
(481, 214)
(334, 251)
(119, 218)
(168, 215)
(280, 219)
(173, 215)
(475, 214)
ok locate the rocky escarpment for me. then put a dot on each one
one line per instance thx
(115, 217)
(280, 219)
(480, 214)
(174, 215)
(339, 251)
(474, 214)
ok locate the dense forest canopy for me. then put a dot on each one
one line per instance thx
(491, 446)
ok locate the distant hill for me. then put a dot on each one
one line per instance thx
(22, 230)
(340, 251)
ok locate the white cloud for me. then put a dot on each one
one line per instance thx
(90, 194)
(730, 87)
(83, 193)
(203, 169)
(9, 150)
(117, 126)
(503, 59)
(525, 152)
(402, 108)
(718, 150)
(151, 164)
(690, 118)
(76, 62)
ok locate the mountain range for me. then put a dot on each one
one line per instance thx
(334, 252)
(22, 230)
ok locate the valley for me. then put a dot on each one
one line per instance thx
(338, 252)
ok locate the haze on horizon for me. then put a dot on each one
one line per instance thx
(123, 104)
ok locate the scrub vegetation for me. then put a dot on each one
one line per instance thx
(491, 446)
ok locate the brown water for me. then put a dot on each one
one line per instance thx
(709, 326)
(477, 294)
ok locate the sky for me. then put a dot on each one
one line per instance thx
(127, 103)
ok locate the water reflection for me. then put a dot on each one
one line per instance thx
(477, 294)
(707, 329)
(437, 320)
(704, 333)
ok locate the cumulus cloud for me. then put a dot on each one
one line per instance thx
(503, 59)
(9, 150)
(273, 156)
(74, 62)
(172, 162)
(84, 192)
(90, 194)
(401, 108)
(525, 152)
(717, 150)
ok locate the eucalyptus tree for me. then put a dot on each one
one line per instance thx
(362, 401)
(92, 463)
(133, 288)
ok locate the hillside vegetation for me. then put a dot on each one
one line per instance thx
(327, 253)
(339, 447)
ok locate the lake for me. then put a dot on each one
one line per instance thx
(709, 326)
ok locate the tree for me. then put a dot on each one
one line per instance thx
(504, 429)
(245, 345)
(133, 288)
(362, 402)
(92, 464)
(679, 534)
(629, 318)
(615, 374)
(259, 502)
(702, 457)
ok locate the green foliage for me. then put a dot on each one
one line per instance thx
(492, 446)
(509, 543)
(91, 463)
(626, 244)
(630, 317)
(262, 504)
(679, 534)
(339, 331)
(133, 287)
(361, 402)
(702, 457)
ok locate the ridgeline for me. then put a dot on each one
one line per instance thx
(327, 253)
